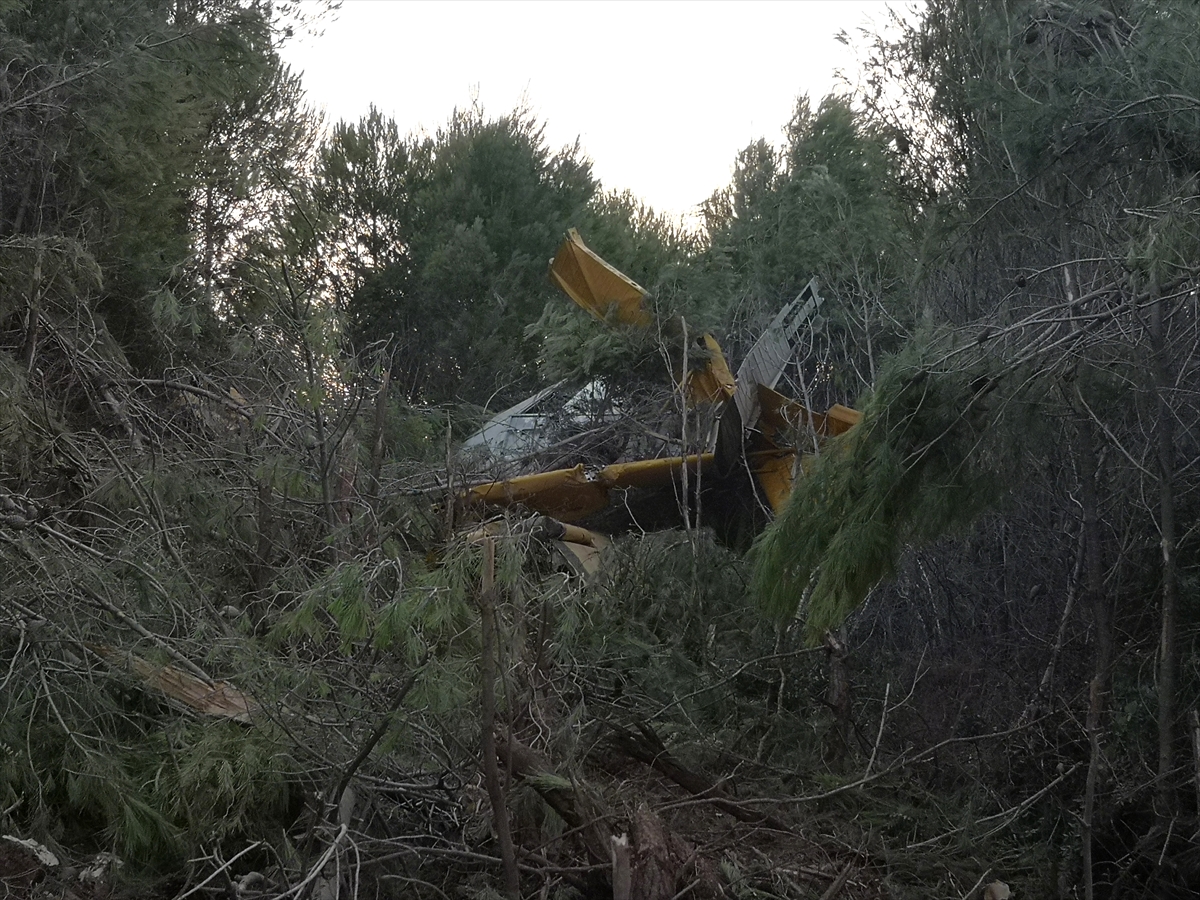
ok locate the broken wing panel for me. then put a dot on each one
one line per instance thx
(773, 471)
(595, 285)
(649, 472)
(840, 419)
(573, 494)
(714, 383)
(774, 463)
(565, 494)
(779, 414)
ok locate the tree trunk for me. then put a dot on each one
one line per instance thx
(380, 421)
(566, 797)
(1168, 641)
(1101, 612)
(33, 319)
(487, 723)
(647, 747)
(837, 746)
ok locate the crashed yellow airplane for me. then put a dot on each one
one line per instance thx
(744, 471)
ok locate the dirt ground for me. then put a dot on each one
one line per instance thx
(24, 877)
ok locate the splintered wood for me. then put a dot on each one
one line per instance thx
(212, 698)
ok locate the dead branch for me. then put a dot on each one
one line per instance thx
(649, 749)
(380, 730)
(561, 795)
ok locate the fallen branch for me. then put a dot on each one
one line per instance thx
(137, 626)
(224, 399)
(1011, 813)
(319, 865)
(649, 749)
(560, 794)
(544, 867)
(838, 883)
(377, 735)
(220, 870)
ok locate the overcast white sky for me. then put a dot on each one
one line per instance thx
(662, 95)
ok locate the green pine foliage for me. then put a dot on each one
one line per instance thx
(937, 446)
(235, 357)
(152, 787)
(446, 238)
(145, 134)
(822, 205)
(576, 346)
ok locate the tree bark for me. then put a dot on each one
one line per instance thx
(380, 422)
(1168, 639)
(487, 723)
(571, 804)
(648, 748)
(1102, 620)
(837, 747)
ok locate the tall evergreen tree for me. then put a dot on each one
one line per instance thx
(823, 206)
(447, 245)
(144, 133)
(1060, 284)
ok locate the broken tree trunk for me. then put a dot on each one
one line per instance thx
(664, 865)
(658, 863)
(572, 805)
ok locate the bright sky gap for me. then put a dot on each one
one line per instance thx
(662, 95)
